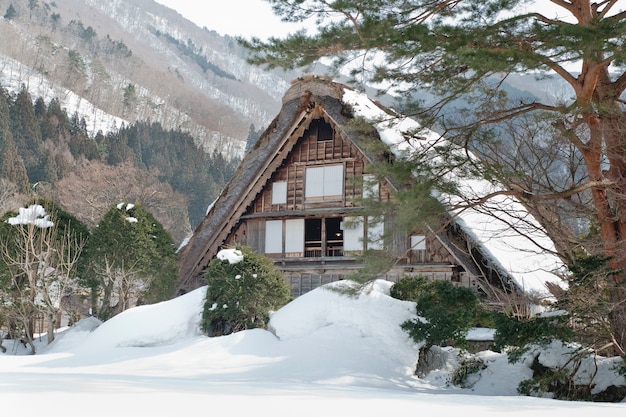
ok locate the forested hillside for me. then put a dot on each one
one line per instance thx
(125, 61)
(114, 101)
(50, 153)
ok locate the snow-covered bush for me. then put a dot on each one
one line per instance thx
(244, 287)
(445, 314)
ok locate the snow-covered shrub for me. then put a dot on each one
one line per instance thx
(446, 311)
(445, 314)
(570, 372)
(468, 372)
(517, 334)
(242, 292)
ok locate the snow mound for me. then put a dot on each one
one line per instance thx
(371, 312)
(153, 325)
(72, 336)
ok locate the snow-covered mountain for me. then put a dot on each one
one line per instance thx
(121, 61)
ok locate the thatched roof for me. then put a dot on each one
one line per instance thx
(304, 95)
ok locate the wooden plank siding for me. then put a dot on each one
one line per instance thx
(301, 283)
(314, 152)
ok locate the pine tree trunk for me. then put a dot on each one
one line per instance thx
(610, 205)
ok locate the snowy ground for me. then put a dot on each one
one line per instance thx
(327, 354)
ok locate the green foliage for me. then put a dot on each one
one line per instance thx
(76, 64)
(177, 160)
(590, 300)
(128, 252)
(64, 220)
(27, 135)
(253, 137)
(414, 34)
(12, 165)
(241, 295)
(446, 312)
(195, 53)
(33, 140)
(130, 96)
(131, 235)
(519, 334)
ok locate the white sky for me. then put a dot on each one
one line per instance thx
(255, 18)
(233, 17)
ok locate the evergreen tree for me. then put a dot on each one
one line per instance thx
(242, 293)
(253, 137)
(11, 163)
(446, 313)
(27, 135)
(128, 259)
(459, 54)
(10, 13)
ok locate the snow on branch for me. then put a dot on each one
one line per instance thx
(35, 214)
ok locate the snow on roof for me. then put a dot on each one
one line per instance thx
(507, 232)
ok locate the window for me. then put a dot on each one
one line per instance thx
(370, 186)
(354, 230)
(375, 234)
(274, 236)
(309, 238)
(418, 242)
(294, 237)
(324, 183)
(279, 192)
(352, 233)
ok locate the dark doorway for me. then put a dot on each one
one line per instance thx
(334, 237)
(313, 238)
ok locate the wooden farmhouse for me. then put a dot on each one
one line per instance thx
(295, 197)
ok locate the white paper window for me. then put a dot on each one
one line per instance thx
(352, 233)
(324, 182)
(314, 182)
(333, 180)
(279, 192)
(274, 236)
(375, 232)
(370, 186)
(418, 242)
(294, 236)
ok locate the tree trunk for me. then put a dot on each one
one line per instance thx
(606, 139)
(51, 322)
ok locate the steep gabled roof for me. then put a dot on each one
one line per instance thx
(307, 99)
(507, 234)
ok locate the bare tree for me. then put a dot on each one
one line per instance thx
(101, 186)
(42, 260)
(121, 285)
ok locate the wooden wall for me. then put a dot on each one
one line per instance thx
(301, 283)
(337, 149)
